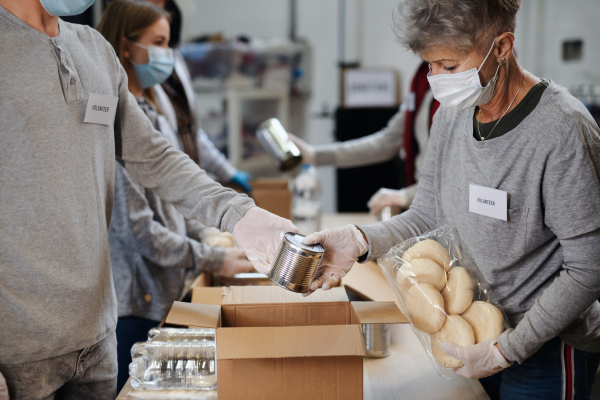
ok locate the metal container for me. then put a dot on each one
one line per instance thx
(296, 263)
(378, 338)
(388, 212)
(243, 279)
(275, 140)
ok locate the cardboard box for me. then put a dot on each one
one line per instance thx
(273, 195)
(367, 281)
(275, 344)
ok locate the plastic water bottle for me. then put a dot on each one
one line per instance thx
(306, 200)
(181, 335)
(173, 358)
(173, 365)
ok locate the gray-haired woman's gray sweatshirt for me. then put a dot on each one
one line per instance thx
(57, 177)
(543, 264)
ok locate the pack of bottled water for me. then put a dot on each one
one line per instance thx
(175, 359)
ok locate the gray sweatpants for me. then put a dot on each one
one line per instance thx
(89, 374)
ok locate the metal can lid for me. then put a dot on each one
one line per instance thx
(296, 240)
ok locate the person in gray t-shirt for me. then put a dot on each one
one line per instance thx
(66, 114)
(502, 128)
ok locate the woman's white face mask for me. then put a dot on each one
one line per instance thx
(462, 90)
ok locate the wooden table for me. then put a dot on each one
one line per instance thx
(406, 374)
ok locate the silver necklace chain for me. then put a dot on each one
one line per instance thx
(509, 106)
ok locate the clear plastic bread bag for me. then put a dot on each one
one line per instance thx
(443, 295)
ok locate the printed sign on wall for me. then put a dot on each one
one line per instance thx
(370, 88)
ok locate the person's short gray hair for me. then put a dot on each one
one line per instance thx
(462, 25)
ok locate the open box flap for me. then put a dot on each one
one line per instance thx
(198, 315)
(290, 341)
(276, 295)
(207, 295)
(372, 312)
(368, 281)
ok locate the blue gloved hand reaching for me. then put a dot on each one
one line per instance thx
(242, 179)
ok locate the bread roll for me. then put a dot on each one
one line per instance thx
(431, 249)
(425, 307)
(210, 232)
(218, 242)
(455, 330)
(458, 293)
(421, 270)
(219, 239)
(485, 319)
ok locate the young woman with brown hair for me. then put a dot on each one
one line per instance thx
(152, 246)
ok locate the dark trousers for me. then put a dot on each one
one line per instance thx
(554, 372)
(130, 330)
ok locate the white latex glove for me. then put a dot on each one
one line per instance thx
(259, 234)
(388, 197)
(235, 262)
(481, 360)
(343, 246)
(3, 389)
(307, 150)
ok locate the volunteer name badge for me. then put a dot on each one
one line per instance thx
(487, 201)
(101, 109)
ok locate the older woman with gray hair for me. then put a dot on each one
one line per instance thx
(513, 163)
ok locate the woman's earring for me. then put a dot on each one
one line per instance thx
(501, 61)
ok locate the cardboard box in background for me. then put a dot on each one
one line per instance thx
(275, 344)
(273, 194)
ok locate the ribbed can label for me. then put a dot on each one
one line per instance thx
(296, 263)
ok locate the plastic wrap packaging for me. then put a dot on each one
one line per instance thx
(444, 300)
(175, 359)
(181, 335)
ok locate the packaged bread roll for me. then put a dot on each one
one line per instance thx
(430, 249)
(425, 307)
(215, 238)
(455, 330)
(421, 270)
(458, 293)
(486, 320)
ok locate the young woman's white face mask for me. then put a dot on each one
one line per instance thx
(463, 90)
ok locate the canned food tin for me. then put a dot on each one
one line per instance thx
(378, 338)
(275, 140)
(296, 264)
(388, 212)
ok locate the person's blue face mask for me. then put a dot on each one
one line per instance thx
(65, 8)
(159, 67)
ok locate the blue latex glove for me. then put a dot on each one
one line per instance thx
(242, 179)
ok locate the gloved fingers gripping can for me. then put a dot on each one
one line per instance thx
(296, 263)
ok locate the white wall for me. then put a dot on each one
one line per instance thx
(543, 25)
(379, 47)
(265, 18)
